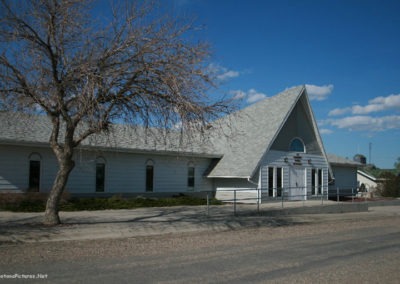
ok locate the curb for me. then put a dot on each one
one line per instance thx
(318, 209)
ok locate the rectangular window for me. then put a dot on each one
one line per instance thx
(313, 182)
(34, 175)
(279, 184)
(319, 181)
(316, 181)
(149, 178)
(190, 180)
(100, 177)
(270, 181)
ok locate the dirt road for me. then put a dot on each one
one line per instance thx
(334, 248)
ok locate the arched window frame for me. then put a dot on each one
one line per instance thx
(149, 187)
(191, 175)
(35, 171)
(293, 149)
(100, 174)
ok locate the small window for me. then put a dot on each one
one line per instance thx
(190, 180)
(316, 181)
(34, 175)
(297, 145)
(149, 178)
(320, 181)
(279, 182)
(275, 182)
(270, 181)
(100, 176)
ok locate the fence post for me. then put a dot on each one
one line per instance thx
(322, 195)
(352, 195)
(282, 193)
(337, 194)
(208, 204)
(234, 202)
(258, 201)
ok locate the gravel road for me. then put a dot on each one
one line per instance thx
(331, 248)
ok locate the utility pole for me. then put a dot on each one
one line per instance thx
(370, 150)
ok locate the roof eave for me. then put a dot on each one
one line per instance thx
(116, 149)
(217, 176)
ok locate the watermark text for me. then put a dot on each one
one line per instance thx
(23, 276)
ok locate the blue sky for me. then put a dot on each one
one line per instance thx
(346, 52)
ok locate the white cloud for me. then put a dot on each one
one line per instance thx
(325, 131)
(228, 74)
(222, 73)
(238, 94)
(319, 93)
(339, 111)
(251, 96)
(391, 100)
(378, 104)
(375, 105)
(367, 123)
(254, 96)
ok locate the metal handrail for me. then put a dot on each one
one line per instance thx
(285, 195)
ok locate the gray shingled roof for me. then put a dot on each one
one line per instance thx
(18, 128)
(333, 159)
(241, 139)
(252, 132)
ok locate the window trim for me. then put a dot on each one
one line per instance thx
(275, 181)
(100, 161)
(191, 176)
(34, 174)
(34, 157)
(317, 177)
(149, 186)
(291, 149)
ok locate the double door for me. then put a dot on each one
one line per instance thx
(297, 178)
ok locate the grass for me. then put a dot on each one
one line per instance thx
(37, 202)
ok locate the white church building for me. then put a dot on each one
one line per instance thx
(271, 149)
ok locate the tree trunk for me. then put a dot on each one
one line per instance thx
(51, 216)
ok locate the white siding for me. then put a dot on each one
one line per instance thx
(370, 185)
(245, 191)
(14, 167)
(345, 180)
(239, 195)
(277, 159)
(124, 172)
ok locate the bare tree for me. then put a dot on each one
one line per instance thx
(86, 73)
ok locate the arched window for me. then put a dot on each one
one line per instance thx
(34, 171)
(191, 176)
(100, 174)
(149, 176)
(296, 145)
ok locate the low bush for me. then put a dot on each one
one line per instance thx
(31, 203)
(23, 202)
(391, 185)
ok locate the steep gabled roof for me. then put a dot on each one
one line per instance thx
(251, 133)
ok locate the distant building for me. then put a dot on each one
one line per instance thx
(345, 173)
(367, 181)
(360, 159)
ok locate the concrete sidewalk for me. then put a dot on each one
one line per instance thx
(84, 225)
